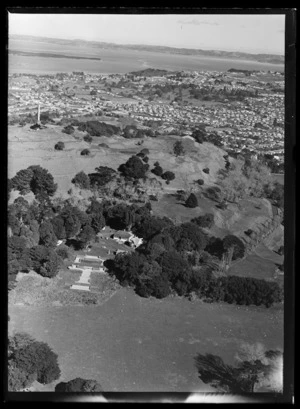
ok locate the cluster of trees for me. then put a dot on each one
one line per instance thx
(246, 177)
(274, 165)
(87, 138)
(102, 176)
(134, 168)
(158, 171)
(30, 360)
(131, 131)
(34, 179)
(217, 247)
(28, 252)
(209, 93)
(96, 128)
(205, 221)
(69, 130)
(181, 259)
(200, 136)
(36, 228)
(275, 194)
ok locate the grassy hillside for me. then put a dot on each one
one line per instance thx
(27, 147)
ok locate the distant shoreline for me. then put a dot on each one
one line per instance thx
(262, 57)
(51, 55)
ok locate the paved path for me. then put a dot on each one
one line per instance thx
(84, 281)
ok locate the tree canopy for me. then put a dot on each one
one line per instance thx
(178, 148)
(134, 168)
(30, 360)
(191, 201)
(81, 180)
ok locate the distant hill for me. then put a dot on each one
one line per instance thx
(263, 58)
(51, 55)
(151, 72)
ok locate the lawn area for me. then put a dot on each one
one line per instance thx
(137, 344)
(261, 264)
(169, 206)
(35, 290)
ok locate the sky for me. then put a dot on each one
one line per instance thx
(258, 33)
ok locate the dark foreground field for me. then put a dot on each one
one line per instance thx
(136, 344)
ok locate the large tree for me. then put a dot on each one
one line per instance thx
(178, 148)
(21, 181)
(102, 176)
(44, 261)
(81, 180)
(47, 236)
(150, 226)
(58, 227)
(73, 220)
(37, 361)
(231, 241)
(191, 201)
(86, 235)
(42, 181)
(134, 168)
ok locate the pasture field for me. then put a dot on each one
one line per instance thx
(133, 344)
(256, 266)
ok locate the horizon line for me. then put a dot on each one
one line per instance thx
(148, 45)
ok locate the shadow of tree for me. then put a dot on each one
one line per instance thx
(225, 378)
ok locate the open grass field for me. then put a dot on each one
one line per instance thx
(27, 147)
(136, 344)
(256, 266)
(233, 220)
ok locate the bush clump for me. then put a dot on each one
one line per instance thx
(69, 129)
(168, 176)
(191, 201)
(200, 182)
(157, 170)
(85, 152)
(205, 221)
(59, 146)
(88, 138)
(214, 193)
